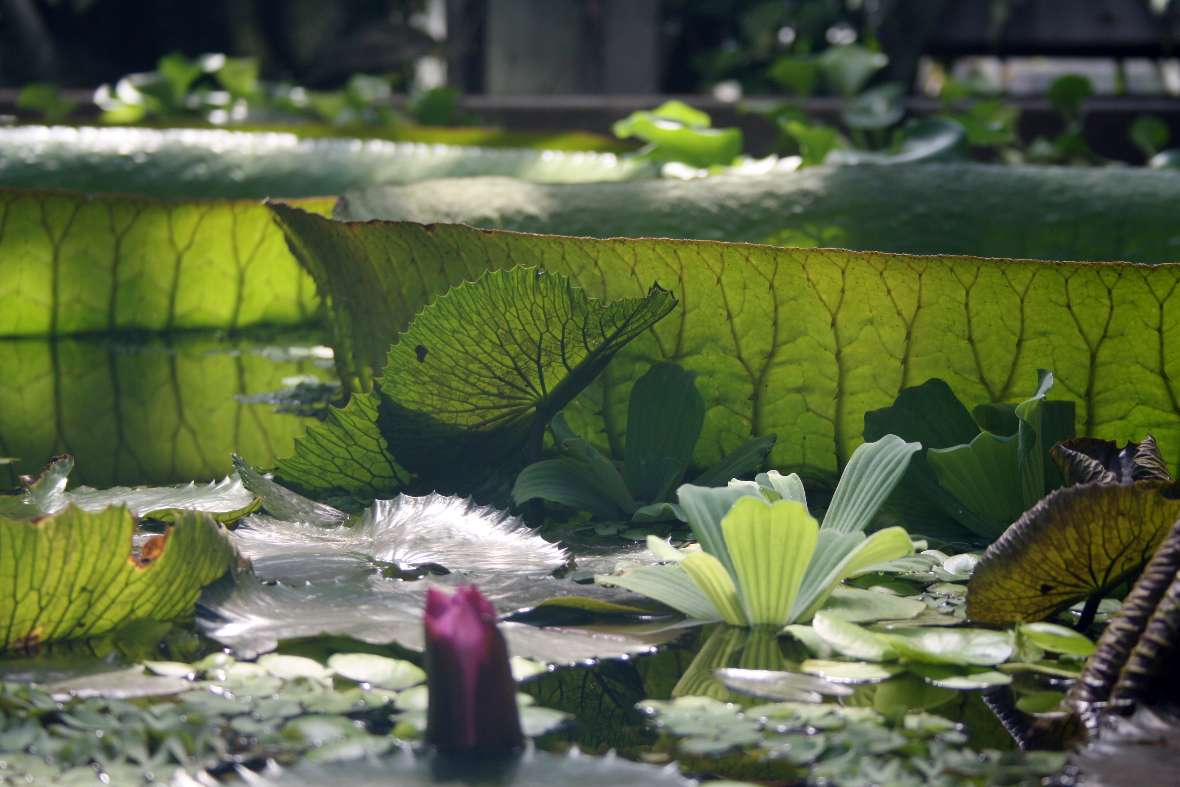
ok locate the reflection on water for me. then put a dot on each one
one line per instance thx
(150, 412)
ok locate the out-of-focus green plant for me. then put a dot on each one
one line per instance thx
(674, 131)
(46, 100)
(223, 90)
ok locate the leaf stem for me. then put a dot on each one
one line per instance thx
(1088, 613)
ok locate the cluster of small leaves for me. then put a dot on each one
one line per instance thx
(232, 713)
(842, 745)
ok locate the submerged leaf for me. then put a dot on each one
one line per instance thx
(1078, 542)
(74, 574)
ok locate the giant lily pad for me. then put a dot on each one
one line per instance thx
(71, 264)
(1079, 542)
(775, 344)
(1010, 211)
(235, 164)
(74, 574)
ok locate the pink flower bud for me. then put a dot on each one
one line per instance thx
(472, 707)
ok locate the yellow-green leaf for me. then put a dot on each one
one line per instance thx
(770, 545)
(800, 342)
(74, 575)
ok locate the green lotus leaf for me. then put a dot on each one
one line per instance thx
(1009, 211)
(812, 376)
(75, 574)
(1077, 543)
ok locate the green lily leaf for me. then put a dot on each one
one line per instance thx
(379, 671)
(190, 163)
(876, 108)
(824, 412)
(999, 476)
(425, 770)
(345, 459)
(664, 420)
(959, 678)
(1077, 543)
(98, 583)
(665, 413)
(865, 606)
(850, 672)
(922, 141)
(480, 372)
(848, 68)
(466, 391)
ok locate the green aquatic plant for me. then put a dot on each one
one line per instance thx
(979, 470)
(469, 388)
(763, 558)
(664, 419)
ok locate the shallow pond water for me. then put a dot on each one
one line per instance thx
(167, 411)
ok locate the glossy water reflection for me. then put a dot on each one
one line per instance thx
(150, 412)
